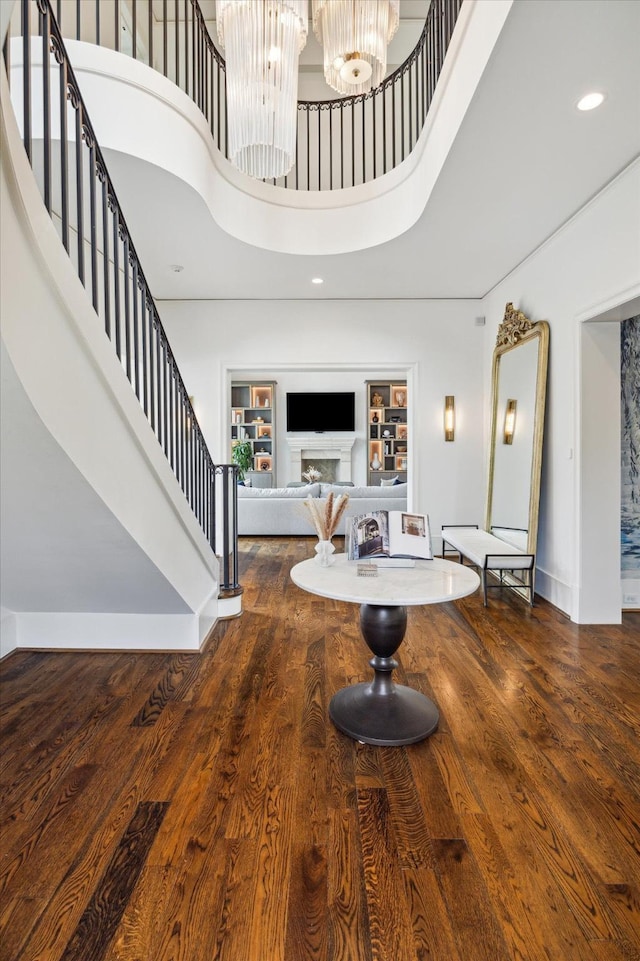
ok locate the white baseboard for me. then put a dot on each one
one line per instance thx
(8, 632)
(630, 593)
(109, 632)
(555, 591)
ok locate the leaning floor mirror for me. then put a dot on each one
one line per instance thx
(518, 394)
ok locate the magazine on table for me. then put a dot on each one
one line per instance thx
(387, 535)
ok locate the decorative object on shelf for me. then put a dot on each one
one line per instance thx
(510, 421)
(242, 457)
(325, 517)
(375, 419)
(400, 398)
(264, 465)
(377, 400)
(376, 463)
(449, 417)
(262, 44)
(386, 433)
(312, 475)
(354, 35)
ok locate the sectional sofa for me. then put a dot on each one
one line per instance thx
(281, 510)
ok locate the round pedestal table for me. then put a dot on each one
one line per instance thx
(380, 711)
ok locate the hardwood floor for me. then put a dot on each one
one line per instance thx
(201, 807)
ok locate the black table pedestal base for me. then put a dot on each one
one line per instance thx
(381, 712)
(403, 716)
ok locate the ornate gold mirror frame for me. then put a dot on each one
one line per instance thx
(518, 395)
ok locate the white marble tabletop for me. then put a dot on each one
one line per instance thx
(429, 582)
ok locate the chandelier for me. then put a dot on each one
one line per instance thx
(354, 35)
(262, 41)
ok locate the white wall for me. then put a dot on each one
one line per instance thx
(591, 265)
(303, 342)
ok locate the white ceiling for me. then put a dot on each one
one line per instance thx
(524, 161)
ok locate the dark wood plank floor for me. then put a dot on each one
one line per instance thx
(201, 807)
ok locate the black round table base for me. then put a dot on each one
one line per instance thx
(400, 715)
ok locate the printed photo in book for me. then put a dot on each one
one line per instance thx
(389, 534)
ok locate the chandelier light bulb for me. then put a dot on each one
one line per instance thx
(354, 35)
(355, 70)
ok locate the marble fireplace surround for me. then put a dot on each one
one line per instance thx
(316, 447)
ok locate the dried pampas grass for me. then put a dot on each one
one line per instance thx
(325, 515)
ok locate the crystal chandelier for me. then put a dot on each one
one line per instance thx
(354, 35)
(262, 40)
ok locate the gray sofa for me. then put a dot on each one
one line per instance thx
(281, 510)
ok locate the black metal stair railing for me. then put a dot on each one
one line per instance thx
(340, 142)
(77, 191)
(353, 140)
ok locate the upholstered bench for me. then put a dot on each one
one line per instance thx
(488, 552)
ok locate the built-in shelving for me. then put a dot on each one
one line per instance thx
(253, 420)
(388, 431)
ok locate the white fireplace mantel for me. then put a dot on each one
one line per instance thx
(323, 447)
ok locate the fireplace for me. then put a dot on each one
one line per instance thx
(330, 455)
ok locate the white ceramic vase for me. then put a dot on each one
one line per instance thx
(324, 553)
(375, 463)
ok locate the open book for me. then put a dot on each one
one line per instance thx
(388, 534)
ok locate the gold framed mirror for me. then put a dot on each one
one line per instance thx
(518, 396)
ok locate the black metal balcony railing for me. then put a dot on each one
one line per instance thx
(78, 193)
(340, 143)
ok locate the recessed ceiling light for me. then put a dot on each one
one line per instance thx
(317, 280)
(590, 101)
(176, 268)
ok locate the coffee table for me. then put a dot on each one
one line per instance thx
(380, 711)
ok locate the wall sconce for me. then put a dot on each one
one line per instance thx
(449, 417)
(510, 421)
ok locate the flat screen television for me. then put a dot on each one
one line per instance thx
(320, 412)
